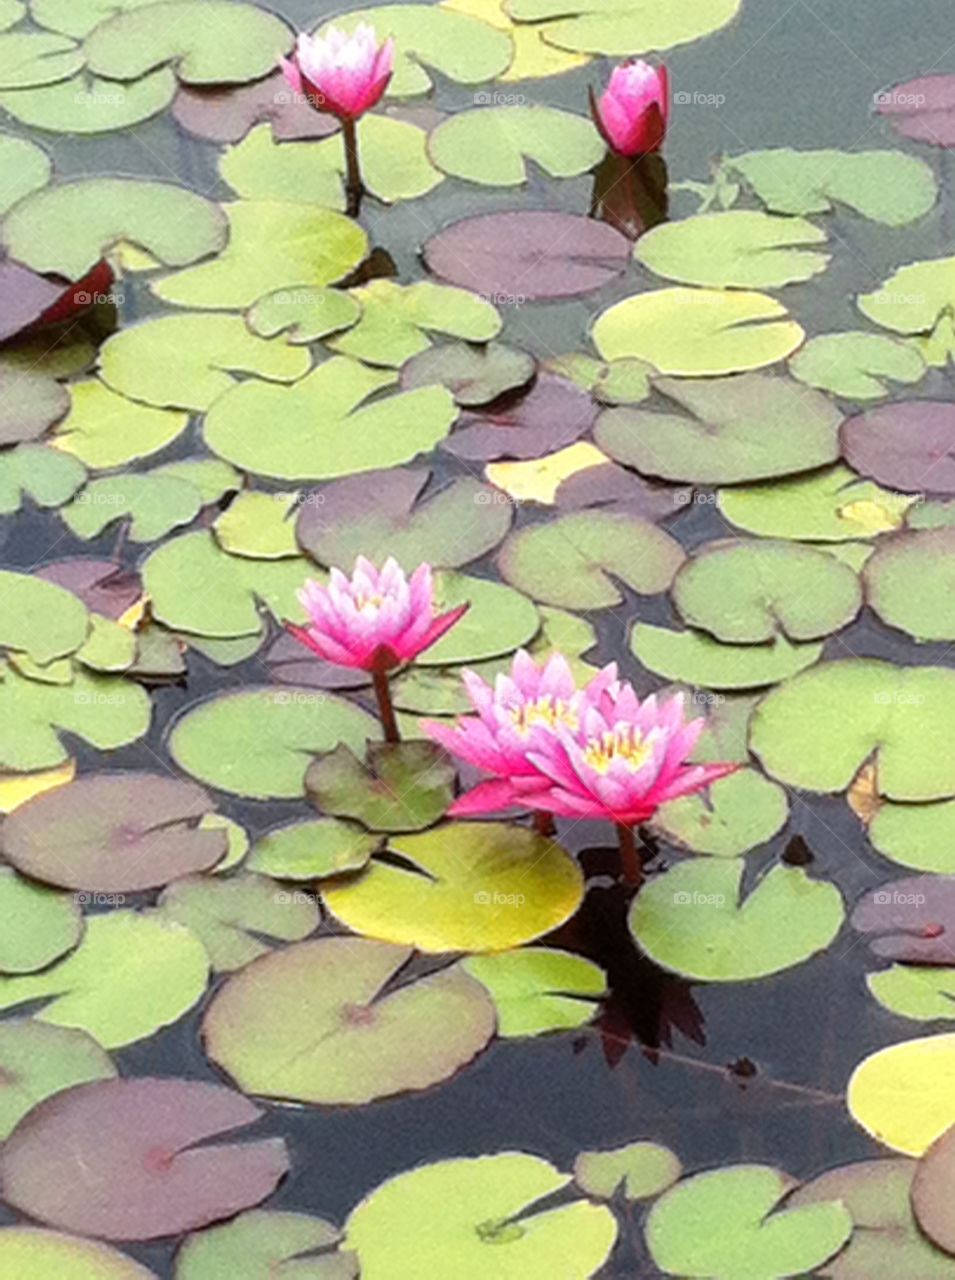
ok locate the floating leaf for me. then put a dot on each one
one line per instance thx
(736, 814)
(921, 109)
(259, 526)
(911, 919)
(489, 145)
(33, 58)
(923, 992)
(78, 17)
(26, 168)
(701, 661)
(105, 430)
(396, 320)
(623, 27)
(153, 505)
(517, 256)
(641, 1169)
(908, 445)
(40, 618)
(312, 850)
(909, 583)
(575, 560)
(694, 921)
(533, 58)
(18, 788)
(86, 104)
(263, 1243)
(921, 836)
(463, 887)
(317, 1022)
(227, 114)
(487, 1224)
(721, 1224)
(38, 1060)
(536, 989)
(322, 426)
(130, 975)
(303, 314)
(829, 506)
(903, 1095)
(914, 298)
(258, 742)
(39, 925)
(499, 620)
(151, 1170)
(11, 11)
(932, 1188)
(697, 332)
(542, 479)
(858, 366)
(473, 375)
(554, 412)
(32, 1254)
(400, 786)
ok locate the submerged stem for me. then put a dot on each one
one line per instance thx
(544, 822)
(630, 863)
(353, 184)
(386, 708)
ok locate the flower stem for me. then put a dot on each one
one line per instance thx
(386, 708)
(544, 822)
(630, 864)
(353, 184)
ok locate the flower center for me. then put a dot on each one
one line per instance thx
(623, 743)
(546, 711)
(373, 602)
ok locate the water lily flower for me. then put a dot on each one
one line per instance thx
(345, 75)
(375, 621)
(632, 112)
(510, 715)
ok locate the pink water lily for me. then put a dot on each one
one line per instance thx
(632, 112)
(345, 75)
(512, 714)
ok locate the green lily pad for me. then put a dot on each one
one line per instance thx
(271, 245)
(29, 404)
(260, 526)
(921, 836)
(319, 1022)
(153, 505)
(857, 366)
(259, 1243)
(11, 11)
(903, 718)
(304, 314)
(207, 41)
(488, 1224)
(400, 786)
(575, 560)
(829, 506)
(489, 145)
(706, 663)
(886, 186)
(44, 475)
(480, 886)
(724, 430)
(909, 583)
(187, 361)
(640, 1169)
(694, 920)
(537, 989)
(459, 48)
(233, 916)
(742, 248)
(914, 298)
(322, 427)
(86, 104)
(30, 1253)
(499, 620)
(37, 1060)
(623, 27)
(923, 992)
(617, 382)
(312, 850)
(258, 742)
(39, 925)
(25, 168)
(213, 479)
(722, 1225)
(747, 592)
(40, 618)
(474, 375)
(32, 58)
(78, 17)
(736, 814)
(105, 430)
(396, 320)
(131, 975)
(108, 647)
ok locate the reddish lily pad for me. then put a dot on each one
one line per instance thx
(922, 109)
(227, 114)
(606, 484)
(474, 375)
(528, 254)
(104, 586)
(130, 1160)
(37, 1060)
(114, 832)
(555, 412)
(933, 1189)
(290, 662)
(909, 445)
(401, 786)
(911, 919)
(26, 295)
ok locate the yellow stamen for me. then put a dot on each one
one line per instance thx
(625, 743)
(544, 710)
(362, 602)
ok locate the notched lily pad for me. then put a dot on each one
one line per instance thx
(536, 989)
(908, 445)
(639, 1169)
(400, 786)
(911, 920)
(474, 375)
(313, 849)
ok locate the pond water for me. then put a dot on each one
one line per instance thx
(749, 1068)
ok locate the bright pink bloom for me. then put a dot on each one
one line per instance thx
(344, 75)
(520, 708)
(632, 112)
(376, 621)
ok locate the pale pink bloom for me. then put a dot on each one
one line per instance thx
(375, 621)
(632, 112)
(512, 715)
(342, 74)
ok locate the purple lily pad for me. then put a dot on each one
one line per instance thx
(912, 920)
(129, 1160)
(909, 445)
(103, 586)
(933, 1191)
(553, 413)
(289, 662)
(24, 297)
(227, 115)
(523, 255)
(921, 109)
(608, 484)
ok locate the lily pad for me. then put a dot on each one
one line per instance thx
(751, 1242)
(489, 145)
(741, 248)
(576, 560)
(39, 925)
(286, 1246)
(923, 992)
(900, 717)
(694, 921)
(536, 989)
(623, 27)
(39, 618)
(33, 1254)
(258, 525)
(525, 254)
(473, 375)
(319, 1022)
(44, 475)
(113, 832)
(86, 104)
(533, 58)
(911, 920)
(724, 430)
(699, 660)
(553, 413)
(914, 298)
(271, 245)
(463, 887)
(105, 430)
(38, 1060)
(400, 786)
(909, 583)
(130, 975)
(207, 41)
(921, 109)
(908, 445)
(499, 620)
(139, 1142)
(487, 1225)
(932, 1188)
(640, 1169)
(152, 504)
(227, 114)
(856, 366)
(258, 741)
(734, 815)
(304, 314)
(396, 320)
(26, 168)
(753, 591)
(29, 58)
(921, 836)
(323, 427)
(312, 850)
(698, 332)
(903, 1096)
